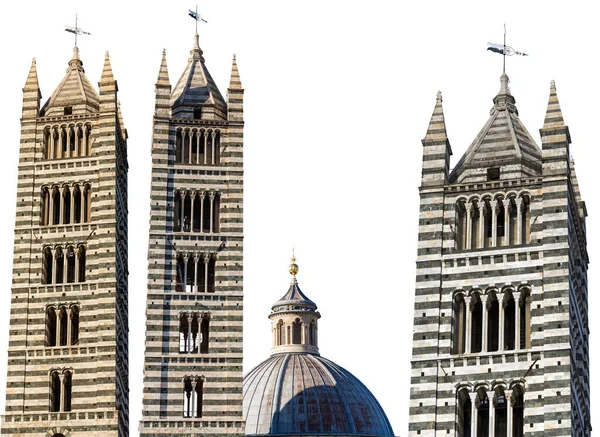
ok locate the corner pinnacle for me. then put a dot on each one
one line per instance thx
(437, 125)
(554, 116)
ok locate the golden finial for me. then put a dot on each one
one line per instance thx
(293, 265)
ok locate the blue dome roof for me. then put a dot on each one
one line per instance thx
(300, 393)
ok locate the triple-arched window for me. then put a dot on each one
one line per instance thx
(62, 325)
(497, 412)
(65, 204)
(491, 321)
(194, 331)
(196, 272)
(61, 386)
(196, 211)
(63, 264)
(492, 221)
(198, 146)
(192, 396)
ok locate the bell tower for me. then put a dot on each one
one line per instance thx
(501, 337)
(193, 358)
(68, 346)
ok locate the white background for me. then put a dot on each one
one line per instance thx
(338, 97)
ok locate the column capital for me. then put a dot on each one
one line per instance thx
(468, 206)
(519, 201)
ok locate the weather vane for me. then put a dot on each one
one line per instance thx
(196, 16)
(76, 30)
(504, 50)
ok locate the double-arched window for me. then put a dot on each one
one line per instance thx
(483, 413)
(61, 386)
(492, 321)
(192, 396)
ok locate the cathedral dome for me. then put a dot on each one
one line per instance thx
(298, 392)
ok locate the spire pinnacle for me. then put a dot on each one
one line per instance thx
(32, 79)
(293, 268)
(437, 124)
(196, 52)
(554, 116)
(163, 72)
(75, 62)
(107, 73)
(504, 99)
(235, 82)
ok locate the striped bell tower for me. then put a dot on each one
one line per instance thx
(68, 343)
(193, 358)
(501, 337)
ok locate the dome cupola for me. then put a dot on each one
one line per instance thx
(294, 320)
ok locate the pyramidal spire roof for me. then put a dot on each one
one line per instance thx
(502, 142)
(235, 82)
(196, 90)
(75, 91)
(32, 78)
(437, 124)
(163, 72)
(554, 116)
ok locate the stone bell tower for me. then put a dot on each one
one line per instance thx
(193, 359)
(501, 335)
(68, 346)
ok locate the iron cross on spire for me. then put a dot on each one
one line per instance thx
(76, 30)
(196, 16)
(504, 50)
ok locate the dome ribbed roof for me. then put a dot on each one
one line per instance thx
(301, 393)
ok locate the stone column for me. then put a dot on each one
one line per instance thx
(509, 413)
(69, 324)
(194, 409)
(196, 258)
(192, 198)
(51, 212)
(481, 232)
(68, 142)
(212, 198)
(468, 325)
(468, 209)
(189, 335)
(502, 315)
(46, 219)
(61, 218)
(65, 265)
(61, 376)
(473, 397)
(72, 211)
(84, 195)
(507, 222)
(58, 323)
(206, 259)
(182, 203)
(484, 323)
(212, 149)
(85, 141)
(205, 146)
(54, 255)
(517, 297)
(197, 136)
(519, 221)
(77, 255)
(185, 266)
(492, 409)
(494, 223)
(202, 211)
(60, 135)
(527, 303)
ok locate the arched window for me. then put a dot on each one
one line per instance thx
(177, 211)
(70, 253)
(194, 334)
(184, 329)
(47, 266)
(500, 413)
(63, 326)
(87, 204)
(180, 267)
(280, 333)
(74, 325)
(82, 260)
(200, 279)
(217, 160)
(509, 321)
(204, 334)
(55, 206)
(500, 224)
(297, 332)
(206, 216)
(44, 205)
(187, 212)
(185, 148)
(517, 411)
(79, 151)
(67, 389)
(47, 142)
(55, 391)
(64, 145)
(50, 327)
(311, 333)
(525, 319)
(476, 323)
(203, 145)
(483, 414)
(189, 280)
(77, 216)
(459, 324)
(195, 156)
(464, 409)
(192, 397)
(60, 265)
(196, 213)
(493, 322)
(88, 143)
(178, 140)
(215, 215)
(211, 274)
